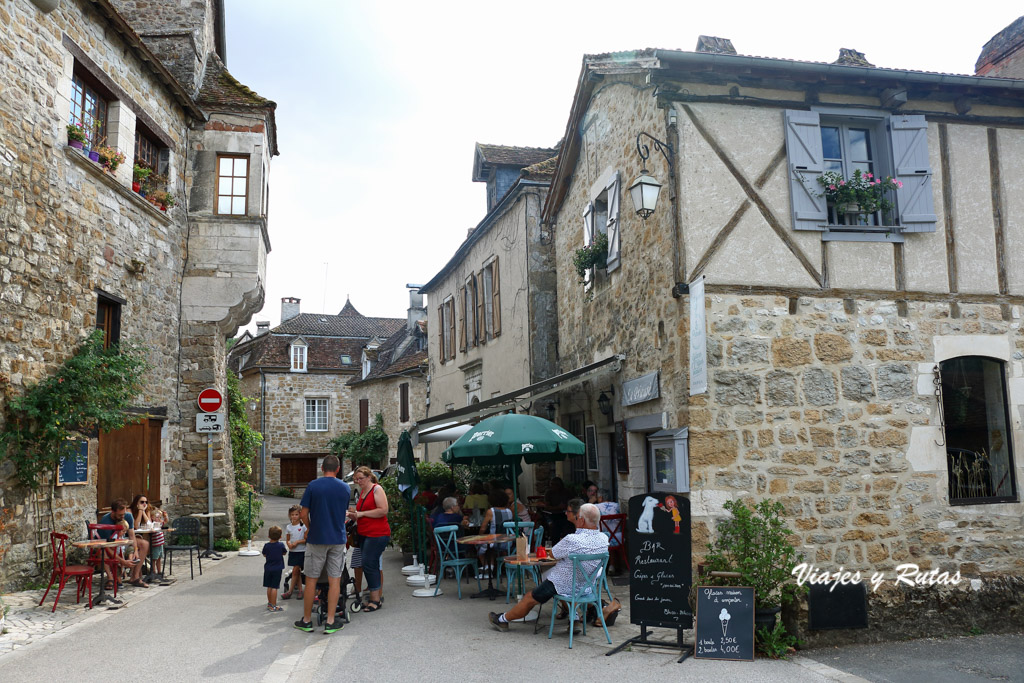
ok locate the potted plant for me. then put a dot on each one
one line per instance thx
(77, 135)
(161, 198)
(110, 157)
(860, 194)
(593, 255)
(754, 542)
(139, 176)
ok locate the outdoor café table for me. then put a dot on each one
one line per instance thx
(486, 539)
(103, 545)
(149, 531)
(208, 516)
(531, 561)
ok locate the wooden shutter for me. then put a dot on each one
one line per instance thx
(403, 401)
(481, 308)
(910, 152)
(364, 414)
(496, 297)
(803, 149)
(451, 329)
(588, 237)
(442, 354)
(462, 320)
(613, 223)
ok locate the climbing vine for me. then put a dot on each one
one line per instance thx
(245, 441)
(89, 392)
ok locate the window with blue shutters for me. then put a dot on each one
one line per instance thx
(833, 140)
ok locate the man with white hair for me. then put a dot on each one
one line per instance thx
(586, 540)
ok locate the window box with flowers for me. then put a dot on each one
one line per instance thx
(861, 200)
(140, 175)
(110, 158)
(594, 255)
(77, 135)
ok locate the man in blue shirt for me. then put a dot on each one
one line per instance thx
(120, 515)
(324, 506)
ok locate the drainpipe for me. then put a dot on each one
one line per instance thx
(263, 423)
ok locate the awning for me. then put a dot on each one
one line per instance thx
(464, 417)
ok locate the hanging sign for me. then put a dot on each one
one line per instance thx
(640, 389)
(698, 339)
(210, 423)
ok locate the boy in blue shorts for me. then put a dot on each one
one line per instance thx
(273, 568)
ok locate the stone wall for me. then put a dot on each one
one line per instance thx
(384, 397)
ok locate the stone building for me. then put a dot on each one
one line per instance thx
(393, 381)
(300, 371)
(863, 369)
(492, 307)
(80, 249)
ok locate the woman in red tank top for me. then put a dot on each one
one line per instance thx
(371, 515)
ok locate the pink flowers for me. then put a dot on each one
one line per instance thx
(862, 192)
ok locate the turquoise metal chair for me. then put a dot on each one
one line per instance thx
(604, 574)
(525, 528)
(448, 553)
(586, 589)
(513, 571)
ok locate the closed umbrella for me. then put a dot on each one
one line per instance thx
(408, 477)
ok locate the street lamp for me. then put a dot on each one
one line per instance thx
(604, 404)
(550, 410)
(644, 190)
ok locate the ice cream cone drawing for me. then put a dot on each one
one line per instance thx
(724, 617)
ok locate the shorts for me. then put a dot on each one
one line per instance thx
(156, 552)
(357, 559)
(272, 578)
(544, 592)
(296, 559)
(320, 556)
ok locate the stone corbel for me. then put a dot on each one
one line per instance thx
(46, 6)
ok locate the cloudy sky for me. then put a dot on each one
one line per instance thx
(380, 104)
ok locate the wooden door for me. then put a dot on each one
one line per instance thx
(298, 471)
(129, 463)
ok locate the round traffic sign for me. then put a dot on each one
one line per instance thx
(210, 400)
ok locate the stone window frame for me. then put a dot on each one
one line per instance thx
(317, 415)
(1004, 389)
(124, 114)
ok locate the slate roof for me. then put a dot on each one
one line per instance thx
(343, 325)
(501, 155)
(387, 365)
(540, 171)
(222, 89)
(1003, 43)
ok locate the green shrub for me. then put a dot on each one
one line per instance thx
(242, 514)
(776, 643)
(226, 544)
(398, 514)
(282, 491)
(245, 441)
(433, 474)
(368, 448)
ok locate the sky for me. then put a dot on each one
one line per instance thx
(380, 105)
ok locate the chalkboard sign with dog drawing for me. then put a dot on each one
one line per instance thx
(659, 558)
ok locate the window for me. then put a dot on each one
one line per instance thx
(298, 356)
(601, 216)
(403, 402)
(148, 152)
(89, 107)
(490, 304)
(364, 414)
(108, 319)
(446, 318)
(668, 460)
(316, 414)
(879, 143)
(232, 185)
(977, 427)
(471, 303)
(346, 359)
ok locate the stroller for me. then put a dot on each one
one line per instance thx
(320, 597)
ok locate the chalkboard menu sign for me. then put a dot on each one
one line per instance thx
(725, 623)
(621, 452)
(659, 554)
(74, 463)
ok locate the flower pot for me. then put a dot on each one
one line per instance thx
(163, 207)
(94, 156)
(765, 618)
(137, 187)
(849, 208)
(77, 144)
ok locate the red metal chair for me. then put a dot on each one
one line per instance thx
(61, 568)
(615, 525)
(96, 555)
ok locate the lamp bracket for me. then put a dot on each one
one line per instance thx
(645, 151)
(679, 289)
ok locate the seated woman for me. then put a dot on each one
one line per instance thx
(521, 510)
(476, 501)
(494, 523)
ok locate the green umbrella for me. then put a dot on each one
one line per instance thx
(510, 439)
(408, 477)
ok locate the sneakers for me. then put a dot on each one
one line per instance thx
(499, 625)
(306, 626)
(286, 595)
(274, 608)
(330, 628)
(298, 595)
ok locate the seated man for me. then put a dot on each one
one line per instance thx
(558, 581)
(120, 515)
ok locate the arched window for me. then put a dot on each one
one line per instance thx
(979, 456)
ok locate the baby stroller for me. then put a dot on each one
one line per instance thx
(320, 597)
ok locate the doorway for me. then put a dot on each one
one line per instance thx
(129, 463)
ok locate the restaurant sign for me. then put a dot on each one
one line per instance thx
(640, 389)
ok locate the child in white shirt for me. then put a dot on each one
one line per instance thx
(295, 541)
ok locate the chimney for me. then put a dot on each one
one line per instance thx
(289, 307)
(1003, 56)
(262, 327)
(417, 311)
(851, 57)
(715, 46)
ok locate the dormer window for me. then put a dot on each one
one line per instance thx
(298, 356)
(367, 364)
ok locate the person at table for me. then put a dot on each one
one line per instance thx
(120, 515)
(558, 581)
(557, 496)
(521, 510)
(371, 515)
(324, 505)
(494, 523)
(476, 500)
(452, 514)
(591, 493)
(140, 511)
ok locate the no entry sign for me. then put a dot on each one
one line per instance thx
(210, 400)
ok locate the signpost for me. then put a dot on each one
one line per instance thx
(210, 422)
(725, 623)
(660, 560)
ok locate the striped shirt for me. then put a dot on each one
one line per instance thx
(584, 541)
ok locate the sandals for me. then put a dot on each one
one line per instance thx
(139, 583)
(371, 605)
